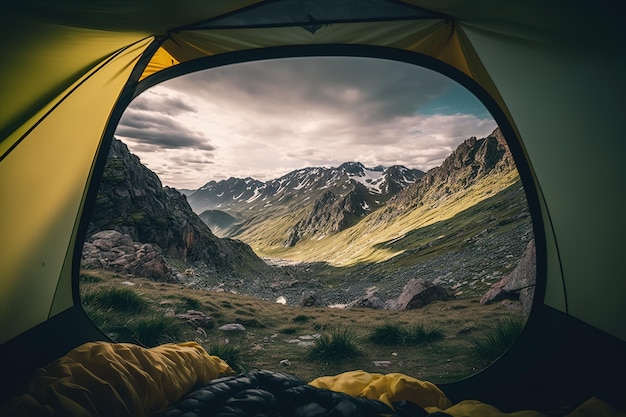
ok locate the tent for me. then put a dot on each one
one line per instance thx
(551, 73)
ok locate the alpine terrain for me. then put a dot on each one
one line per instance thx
(342, 233)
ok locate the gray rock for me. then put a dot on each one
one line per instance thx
(311, 299)
(110, 249)
(519, 284)
(371, 301)
(233, 327)
(419, 292)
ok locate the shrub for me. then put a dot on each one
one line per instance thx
(155, 329)
(496, 340)
(338, 345)
(120, 299)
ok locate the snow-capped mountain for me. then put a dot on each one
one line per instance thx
(316, 200)
(241, 193)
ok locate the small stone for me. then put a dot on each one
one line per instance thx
(285, 362)
(233, 327)
(382, 364)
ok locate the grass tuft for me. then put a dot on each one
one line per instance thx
(228, 353)
(392, 334)
(496, 340)
(190, 303)
(119, 299)
(155, 329)
(338, 345)
(388, 334)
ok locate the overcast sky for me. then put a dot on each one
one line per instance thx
(265, 119)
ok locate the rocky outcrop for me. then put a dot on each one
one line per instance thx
(311, 299)
(112, 250)
(419, 292)
(132, 201)
(519, 284)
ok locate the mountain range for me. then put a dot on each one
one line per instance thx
(326, 200)
(278, 217)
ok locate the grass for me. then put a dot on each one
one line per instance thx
(119, 299)
(227, 352)
(266, 343)
(394, 334)
(338, 345)
(155, 329)
(496, 340)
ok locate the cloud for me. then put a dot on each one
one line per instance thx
(264, 119)
(153, 120)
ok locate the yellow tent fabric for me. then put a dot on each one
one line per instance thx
(116, 379)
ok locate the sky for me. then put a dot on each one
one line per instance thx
(264, 119)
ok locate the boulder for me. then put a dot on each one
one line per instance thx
(110, 249)
(419, 292)
(519, 284)
(311, 299)
(370, 301)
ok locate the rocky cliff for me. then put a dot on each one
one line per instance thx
(132, 201)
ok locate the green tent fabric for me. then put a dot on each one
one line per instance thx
(552, 73)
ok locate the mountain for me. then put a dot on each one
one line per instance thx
(472, 161)
(132, 200)
(346, 214)
(309, 202)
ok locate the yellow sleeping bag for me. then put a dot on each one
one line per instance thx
(116, 379)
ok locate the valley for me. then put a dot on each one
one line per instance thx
(342, 233)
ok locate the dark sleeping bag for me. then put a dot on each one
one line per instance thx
(265, 393)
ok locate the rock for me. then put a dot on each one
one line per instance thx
(519, 284)
(419, 292)
(285, 362)
(311, 299)
(371, 301)
(196, 319)
(233, 327)
(110, 249)
(382, 364)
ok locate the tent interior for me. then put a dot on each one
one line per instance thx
(551, 74)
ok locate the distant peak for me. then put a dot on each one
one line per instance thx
(352, 167)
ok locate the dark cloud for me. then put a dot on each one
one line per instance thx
(160, 130)
(267, 118)
(371, 89)
(160, 103)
